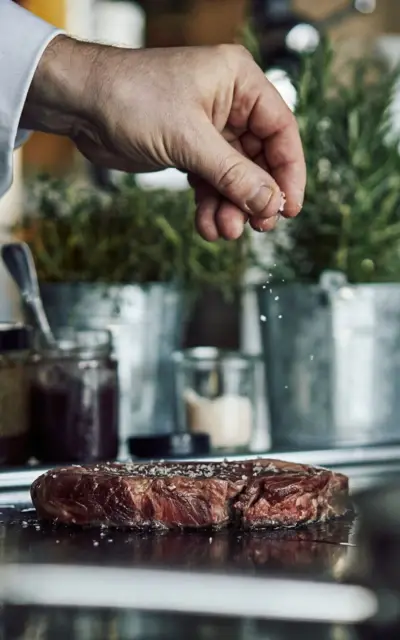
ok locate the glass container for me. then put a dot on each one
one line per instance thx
(74, 396)
(15, 346)
(215, 395)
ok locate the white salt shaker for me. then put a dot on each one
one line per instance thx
(215, 394)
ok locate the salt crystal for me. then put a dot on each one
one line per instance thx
(95, 543)
(244, 477)
(110, 540)
(210, 540)
(57, 542)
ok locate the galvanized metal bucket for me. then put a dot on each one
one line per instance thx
(146, 323)
(332, 355)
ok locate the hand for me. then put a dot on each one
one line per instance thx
(208, 111)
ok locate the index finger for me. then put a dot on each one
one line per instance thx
(273, 122)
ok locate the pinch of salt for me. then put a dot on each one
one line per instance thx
(283, 202)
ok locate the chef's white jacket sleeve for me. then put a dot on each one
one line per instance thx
(23, 39)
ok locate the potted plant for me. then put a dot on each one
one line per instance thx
(128, 260)
(330, 312)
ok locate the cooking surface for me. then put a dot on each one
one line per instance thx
(32, 624)
(318, 549)
(319, 552)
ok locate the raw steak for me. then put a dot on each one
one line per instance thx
(252, 494)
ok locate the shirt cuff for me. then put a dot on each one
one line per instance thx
(23, 40)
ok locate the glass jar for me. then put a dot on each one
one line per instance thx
(74, 396)
(215, 394)
(15, 346)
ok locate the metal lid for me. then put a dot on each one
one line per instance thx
(14, 337)
(179, 445)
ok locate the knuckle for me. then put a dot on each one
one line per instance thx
(231, 176)
(233, 51)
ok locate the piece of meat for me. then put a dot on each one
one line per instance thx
(252, 494)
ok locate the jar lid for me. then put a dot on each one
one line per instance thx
(14, 337)
(174, 445)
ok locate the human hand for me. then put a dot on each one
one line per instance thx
(208, 111)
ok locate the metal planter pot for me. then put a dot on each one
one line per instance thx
(146, 323)
(332, 354)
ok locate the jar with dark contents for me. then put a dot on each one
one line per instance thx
(15, 346)
(74, 396)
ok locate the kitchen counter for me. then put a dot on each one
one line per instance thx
(88, 569)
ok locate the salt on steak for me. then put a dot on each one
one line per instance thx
(252, 494)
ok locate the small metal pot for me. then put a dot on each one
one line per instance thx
(332, 357)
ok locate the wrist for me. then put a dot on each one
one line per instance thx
(56, 100)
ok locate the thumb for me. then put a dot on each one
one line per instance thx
(235, 176)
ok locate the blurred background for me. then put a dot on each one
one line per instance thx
(313, 309)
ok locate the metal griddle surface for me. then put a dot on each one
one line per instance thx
(316, 551)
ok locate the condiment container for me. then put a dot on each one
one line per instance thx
(15, 346)
(74, 398)
(215, 395)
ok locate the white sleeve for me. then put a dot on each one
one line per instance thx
(23, 39)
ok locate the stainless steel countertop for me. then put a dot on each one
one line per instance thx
(72, 556)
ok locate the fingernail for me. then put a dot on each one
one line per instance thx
(267, 224)
(260, 200)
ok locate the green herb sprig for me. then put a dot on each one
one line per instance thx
(78, 234)
(351, 215)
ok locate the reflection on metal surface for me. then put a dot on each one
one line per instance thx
(29, 623)
(237, 596)
(312, 551)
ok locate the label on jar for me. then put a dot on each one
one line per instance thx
(13, 401)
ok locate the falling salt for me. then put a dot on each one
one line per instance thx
(57, 542)
(263, 318)
(110, 540)
(210, 540)
(280, 316)
(286, 386)
(264, 286)
(311, 357)
(276, 298)
(95, 543)
(24, 524)
(270, 290)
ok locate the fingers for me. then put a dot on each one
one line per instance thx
(215, 217)
(272, 122)
(235, 177)
(207, 201)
